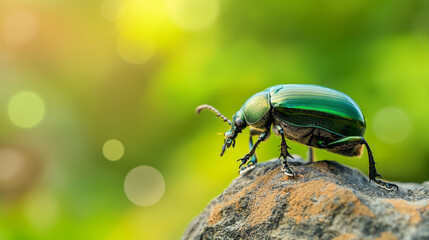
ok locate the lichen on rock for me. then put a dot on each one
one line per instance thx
(326, 200)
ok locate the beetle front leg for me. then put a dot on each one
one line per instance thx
(253, 160)
(284, 153)
(262, 137)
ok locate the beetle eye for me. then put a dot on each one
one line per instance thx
(239, 123)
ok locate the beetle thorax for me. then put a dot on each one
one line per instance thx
(263, 124)
(256, 109)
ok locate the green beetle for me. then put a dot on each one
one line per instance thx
(313, 115)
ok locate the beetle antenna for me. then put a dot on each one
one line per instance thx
(211, 108)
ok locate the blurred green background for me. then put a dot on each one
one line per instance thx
(98, 134)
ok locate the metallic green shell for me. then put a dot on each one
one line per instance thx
(316, 106)
(255, 108)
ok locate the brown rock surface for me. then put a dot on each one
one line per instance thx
(326, 201)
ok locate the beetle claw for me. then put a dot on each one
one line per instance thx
(392, 187)
(243, 160)
(289, 172)
(385, 185)
(246, 168)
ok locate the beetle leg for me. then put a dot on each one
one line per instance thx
(253, 159)
(284, 153)
(311, 156)
(373, 174)
(262, 137)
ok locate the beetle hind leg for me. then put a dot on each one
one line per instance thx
(284, 153)
(373, 174)
(311, 155)
(343, 144)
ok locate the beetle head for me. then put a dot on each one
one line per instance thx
(238, 124)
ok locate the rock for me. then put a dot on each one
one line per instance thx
(325, 201)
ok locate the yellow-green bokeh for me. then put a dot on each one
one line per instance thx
(26, 109)
(144, 186)
(113, 149)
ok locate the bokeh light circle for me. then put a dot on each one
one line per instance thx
(20, 27)
(26, 109)
(135, 46)
(193, 15)
(391, 125)
(113, 150)
(144, 186)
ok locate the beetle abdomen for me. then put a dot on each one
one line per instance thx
(316, 137)
(315, 98)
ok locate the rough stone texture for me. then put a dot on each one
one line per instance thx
(325, 201)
